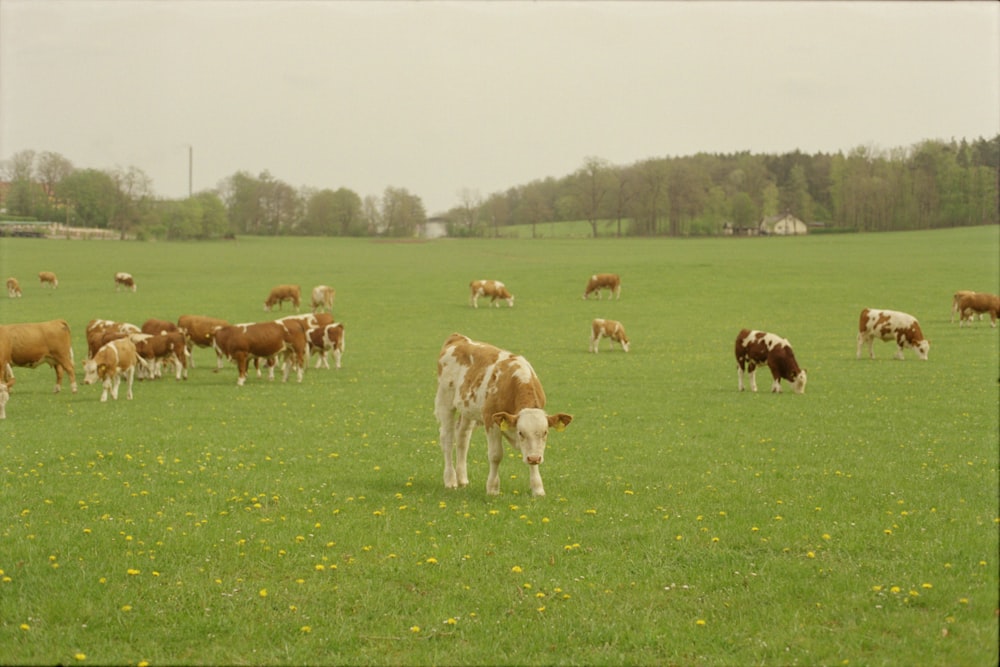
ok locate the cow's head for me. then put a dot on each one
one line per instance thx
(799, 383)
(531, 429)
(93, 371)
(922, 348)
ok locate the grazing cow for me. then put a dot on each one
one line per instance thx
(100, 332)
(125, 280)
(491, 288)
(978, 302)
(955, 298)
(30, 344)
(200, 330)
(482, 384)
(263, 340)
(756, 348)
(324, 339)
(283, 293)
(13, 288)
(891, 325)
(165, 347)
(322, 298)
(610, 328)
(608, 281)
(113, 361)
(48, 278)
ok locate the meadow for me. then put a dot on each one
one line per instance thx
(686, 523)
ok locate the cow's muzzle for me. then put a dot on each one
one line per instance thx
(533, 460)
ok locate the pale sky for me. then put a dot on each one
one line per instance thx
(437, 97)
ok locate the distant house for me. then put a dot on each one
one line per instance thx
(783, 225)
(435, 228)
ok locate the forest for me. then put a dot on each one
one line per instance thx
(932, 184)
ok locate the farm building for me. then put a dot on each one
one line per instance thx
(783, 225)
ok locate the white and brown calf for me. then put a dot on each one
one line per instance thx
(125, 280)
(891, 325)
(322, 298)
(609, 281)
(482, 384)
(494, 289)
(612, 329)
(13, 288)
(113, 361)
(757, 348)
(326, 339)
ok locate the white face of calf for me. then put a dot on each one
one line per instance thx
(922, 348)
(529, 430)
(90, 372)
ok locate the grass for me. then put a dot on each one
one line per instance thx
(685, 523)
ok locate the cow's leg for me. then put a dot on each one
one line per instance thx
(190, 354)
(115, 381)
(739, 376)
(446, 434)
(242, 364)
(752, 372)
(130, 376)
(463, 435)
(494, 446)
(535, 479)
(106, 389)
(336, 358)
(594, 343)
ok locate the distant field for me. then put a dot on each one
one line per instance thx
(685, 523)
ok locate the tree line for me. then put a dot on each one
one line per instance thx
(929, 185)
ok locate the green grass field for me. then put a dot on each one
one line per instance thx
(685, 523)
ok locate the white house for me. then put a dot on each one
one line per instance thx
(783, 225)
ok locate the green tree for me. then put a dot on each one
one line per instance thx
(91, 195)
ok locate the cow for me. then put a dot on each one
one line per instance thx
(610, 328)
(891, 325)
(168, 347)
(978, 302)
(47, 278)
(125, 280)
(955, 298)
(283, 293)
(491, 288)
(99, 332)
(599, 281)
(325, 339)
(156, 326)
(29, 344)
(263, 340)
(322, 298)
(482, 384)
(13, 288)
(756, 348)
(113, 361)
(200, 330)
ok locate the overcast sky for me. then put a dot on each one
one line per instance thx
(437, 97)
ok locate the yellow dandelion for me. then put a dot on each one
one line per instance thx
(414, 629)
(926, 586)
(133, 572)
(432, 560)
(80, 656)
(451, 621)
(826, 536)
(810, 554)
(126, 607)
(305, 629)
(894, 589)
(963, 600)
(320, 567)
(887, 531)
(516, 569)
(877, 588)
(700, 621)
(263, 592)
(25, 627)
(540, 609)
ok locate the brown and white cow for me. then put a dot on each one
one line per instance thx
(599, 281)
(323, 340)
(614, 331)
(978, 302)
(113, 361)
(165, 347)
(482, 384)
(282, 293)
(491, 288)
(891, 325)
(756, 348)
(30, 344)
(200, 331)
(125, 280)
(100, 332)
(263, 340)
(13, 288)
(322, 298)
(48, 278)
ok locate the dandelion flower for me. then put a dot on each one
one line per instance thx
(25, 627)
(700, 621)
(926, 586)
(516, 569)
(80, 656)
(305, 629)
(263, 593)
(414, 629)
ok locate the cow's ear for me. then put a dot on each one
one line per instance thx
(504, 420)
(560, 421)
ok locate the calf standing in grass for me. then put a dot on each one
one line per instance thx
(113, 361)
(13, 288)
(891, 325)
(125, 280)
(610, 328)
(756, 348)
(482, 384)
(599, 281)
(978, 302)
(494, 289)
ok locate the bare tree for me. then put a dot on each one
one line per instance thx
(593, 182)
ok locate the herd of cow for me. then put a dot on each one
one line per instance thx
(121, 350)
(478, 384)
